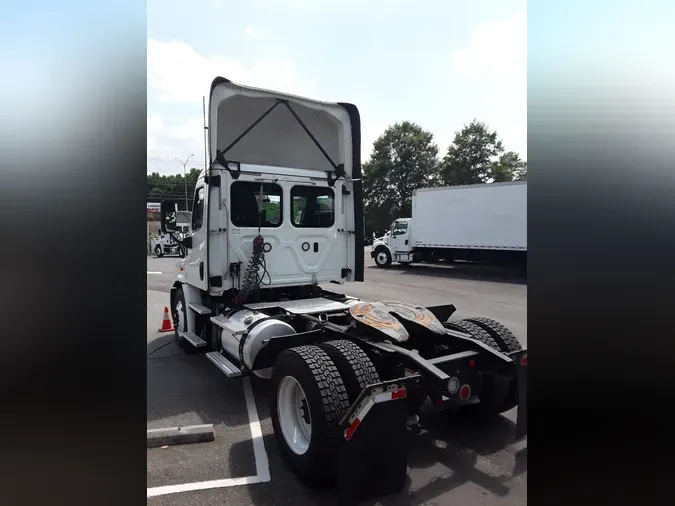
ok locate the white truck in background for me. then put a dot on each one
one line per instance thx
(485, 223)
(165, 244)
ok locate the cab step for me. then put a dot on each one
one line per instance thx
(226, 367)
(199, 309)
(234, 328)
(193, 339)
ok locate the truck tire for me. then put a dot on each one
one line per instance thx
(507, 343)
(309, 399)
(474, 331)
(494, 394)
(179, 317)
(181, 252)
(353, 364)
(505, 339)
(382, 257)
(158, 251)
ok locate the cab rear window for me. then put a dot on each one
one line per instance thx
(312, 207)
(245, 199)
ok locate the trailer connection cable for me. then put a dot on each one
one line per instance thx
(150, 357)
(252, 279)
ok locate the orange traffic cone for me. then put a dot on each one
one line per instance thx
(167, 326)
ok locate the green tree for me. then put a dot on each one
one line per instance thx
(509, 167)
(173, 186)
(404, 158)
(470, 157)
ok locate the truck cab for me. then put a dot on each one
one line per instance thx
(395, 245)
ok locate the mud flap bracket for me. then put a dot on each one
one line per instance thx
(372, 452)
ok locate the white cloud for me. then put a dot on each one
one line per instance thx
(168, 140)
(253, 33)
(178, 74)
(495, 48)
(494, 61)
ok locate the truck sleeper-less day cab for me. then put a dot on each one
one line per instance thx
(165, 244)
(484, 223)
(279, 212)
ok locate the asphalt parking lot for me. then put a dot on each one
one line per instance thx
(450, 462)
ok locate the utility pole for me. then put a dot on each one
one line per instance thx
(185, 174)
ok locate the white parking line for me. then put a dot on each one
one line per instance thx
(262, 466)
(154, 272)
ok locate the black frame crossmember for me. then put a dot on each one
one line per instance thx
(339, 169)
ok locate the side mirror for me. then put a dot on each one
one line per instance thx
(168, 212)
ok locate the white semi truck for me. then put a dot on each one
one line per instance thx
(278, 213)
(167, 244)
(477, 223)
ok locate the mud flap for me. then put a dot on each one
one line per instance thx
(521, 423)
(372, 454)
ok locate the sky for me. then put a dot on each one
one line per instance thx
(438, 63)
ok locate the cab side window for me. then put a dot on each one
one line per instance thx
(198, 209)
(400, 228)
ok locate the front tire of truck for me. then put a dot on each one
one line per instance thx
(158, 251)
(179, 316)
(382, 257)
(309, 398)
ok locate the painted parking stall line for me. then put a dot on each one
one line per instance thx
(259, 454)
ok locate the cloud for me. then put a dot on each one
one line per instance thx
(253, 33)
(178, 78)
(494, 63)
(494, 49)
(169, 140)
(178, 74)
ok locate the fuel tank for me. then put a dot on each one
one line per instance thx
(260, 328)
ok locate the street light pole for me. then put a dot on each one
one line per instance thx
(185, 175)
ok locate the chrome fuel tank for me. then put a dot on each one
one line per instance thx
(258, 332)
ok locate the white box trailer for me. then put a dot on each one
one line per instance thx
(482, 223)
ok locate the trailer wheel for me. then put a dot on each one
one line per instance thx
(353, 364)
(158, 251)
(308, 401)
(382, 257)
(507, 343)
(494, 394)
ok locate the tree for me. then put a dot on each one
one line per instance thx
(172, 187)
(470, 157)
(509, 167)
(404, 158)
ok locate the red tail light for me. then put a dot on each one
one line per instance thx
(465, 392)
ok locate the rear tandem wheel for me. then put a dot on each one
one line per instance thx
(308, 400)
(494, 394)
